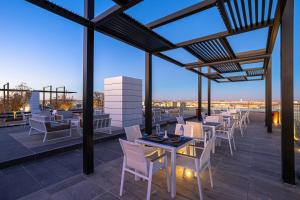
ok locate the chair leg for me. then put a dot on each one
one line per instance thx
(199, 181)
(149, 182)
(167, 173)
(229, 141)
(242, 131)
(233, 143)
(30, 131)
(210, 176)
(183, 172)
(45, 137)
(122, 179)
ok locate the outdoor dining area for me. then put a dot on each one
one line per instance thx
(190, 146)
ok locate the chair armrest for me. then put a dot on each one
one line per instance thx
(189, 156)
(222, 131)
(196, 147)
(158, 157)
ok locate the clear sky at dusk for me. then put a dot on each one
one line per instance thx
(41, 48)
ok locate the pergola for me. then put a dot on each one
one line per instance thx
(212, 51)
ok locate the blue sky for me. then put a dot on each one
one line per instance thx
(41, 48)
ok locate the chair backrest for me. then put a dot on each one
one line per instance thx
(134, 156)
(180, 120)
(197, 129)
(225, 113)
(214, 118)
(205, 156)
(187, 130)
(102, 123)
(37, 124)
(133, 133)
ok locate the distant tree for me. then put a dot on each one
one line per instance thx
(18, 99)
(65, 103)
(98, 99)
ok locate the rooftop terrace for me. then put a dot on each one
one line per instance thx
(252, 173)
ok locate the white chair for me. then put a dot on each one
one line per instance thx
(133, 133)
(242, 124)
(227, 134)
(180, 119)
(101, 125)
(198, 164)
(247, 116)
(47, 127)
(136, 163)
(187, 130)
(198, 133)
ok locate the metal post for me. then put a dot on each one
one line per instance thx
(199, 96)
(148, 93)
(208, 95)
(287, 93)
(269, 96)
(8, 105)
(43, 98)
(56, 102)
(88, 84)
(64, 97)
(4, 97)
(266, 101)
(50, 94)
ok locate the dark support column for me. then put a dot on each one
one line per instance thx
(88, 83)
(8, 105)
(269, 96)
(199, 96)
(208, 95)
(4, 97)
(56, 100)
(50, 94)
(287, 93)
(64, 96)
(43, 98)
(148, 93)
(266, 101)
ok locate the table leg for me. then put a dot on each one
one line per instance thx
(214, 139)
(173, 173)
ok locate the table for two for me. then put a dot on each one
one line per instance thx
(173, 147)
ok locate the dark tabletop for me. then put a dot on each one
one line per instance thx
(211, 124)
(172, 140)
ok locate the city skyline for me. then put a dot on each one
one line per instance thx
(53, 54)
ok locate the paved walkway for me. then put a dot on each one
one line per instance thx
(252, 173)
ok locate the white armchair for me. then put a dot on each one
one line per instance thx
(133, 133)
(198, 164)
(138, 164)
(227, 134)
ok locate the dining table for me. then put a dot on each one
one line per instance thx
(171, 144)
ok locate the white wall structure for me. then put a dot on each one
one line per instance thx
(123, 100)
(34, 102)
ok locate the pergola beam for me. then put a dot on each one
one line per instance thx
(52, 7)
(201, 6)
(236, 60)
(114, 10)
(222, 35)
(224, 15)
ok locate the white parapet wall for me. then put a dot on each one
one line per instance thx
(123, 100)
